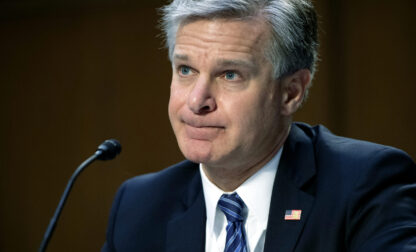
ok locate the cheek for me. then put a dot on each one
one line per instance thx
(243, 113)
(254, 114)
(176, 101)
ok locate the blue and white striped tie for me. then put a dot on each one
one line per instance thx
(232, 206)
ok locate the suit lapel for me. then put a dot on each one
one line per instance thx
(186, 231)
(291, 191)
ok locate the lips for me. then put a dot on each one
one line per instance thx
(202, 133)
(201, 127)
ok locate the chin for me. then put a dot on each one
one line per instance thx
(197, 153)
(197, 157)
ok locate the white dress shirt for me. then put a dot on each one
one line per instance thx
(256, 192)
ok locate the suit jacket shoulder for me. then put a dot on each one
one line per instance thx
(144, 206)
(363, 195)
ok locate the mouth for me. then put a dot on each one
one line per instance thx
(196, 122)
(202, 132)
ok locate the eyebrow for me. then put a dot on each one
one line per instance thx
(221, 62)
(234, 63)
(182, 57)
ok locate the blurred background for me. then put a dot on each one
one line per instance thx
(74, 73)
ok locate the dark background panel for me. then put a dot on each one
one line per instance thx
(74, 74)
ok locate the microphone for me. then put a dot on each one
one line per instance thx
(106, 151)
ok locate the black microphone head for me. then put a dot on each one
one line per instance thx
(108, 150)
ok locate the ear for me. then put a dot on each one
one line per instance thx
(293, 89)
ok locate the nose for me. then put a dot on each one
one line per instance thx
(201, 99)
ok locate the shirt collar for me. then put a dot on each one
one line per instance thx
(260, 183)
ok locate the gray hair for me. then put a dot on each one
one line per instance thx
(294, 41)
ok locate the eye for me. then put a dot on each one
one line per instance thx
(185, 70)
(232, 76)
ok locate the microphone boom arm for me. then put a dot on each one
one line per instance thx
(54, 220)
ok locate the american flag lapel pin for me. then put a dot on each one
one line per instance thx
(293, 214)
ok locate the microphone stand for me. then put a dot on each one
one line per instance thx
(54, 220)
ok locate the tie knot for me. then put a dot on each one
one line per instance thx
(232, 206)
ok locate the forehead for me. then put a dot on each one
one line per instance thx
(228, 37)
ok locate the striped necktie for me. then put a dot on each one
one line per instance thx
(232, 206)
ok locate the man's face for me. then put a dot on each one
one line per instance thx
(224, 102)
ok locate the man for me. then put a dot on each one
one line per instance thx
(253, 181)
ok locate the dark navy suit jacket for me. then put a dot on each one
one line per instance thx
(354, 196)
